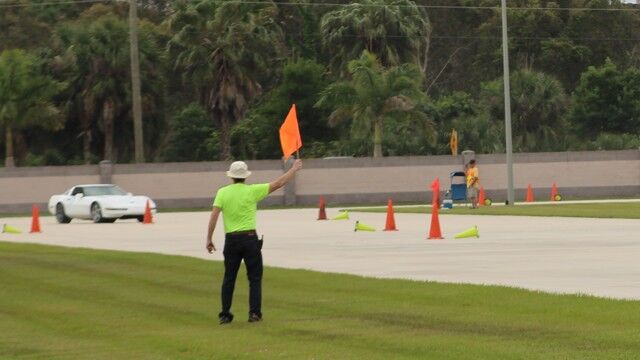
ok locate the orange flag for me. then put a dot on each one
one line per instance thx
(290, 134)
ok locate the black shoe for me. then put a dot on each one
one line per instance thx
(225, 318)
(255, 318)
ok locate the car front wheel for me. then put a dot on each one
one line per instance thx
(96, 213)
(61, 217)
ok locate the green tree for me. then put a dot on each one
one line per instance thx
(93, 53)
(256, 136)
(538, 107)
(395, 31)
(565, 59)
(607, 34)
(527, 28)
(375, 96)
(190, 136)
(27, 25)
(607, 100)
(25, 97)
(531, 23)
(225, 49)
(476, 130)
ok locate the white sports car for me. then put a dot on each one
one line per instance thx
(100, 203)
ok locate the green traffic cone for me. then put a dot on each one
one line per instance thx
(363, 227)
(10, 229)
(343, 215)
(471, 232)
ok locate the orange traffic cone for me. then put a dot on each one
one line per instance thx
(35, 219)
(434, 229)
(391, 219)
(481, 197)
(529, 194)
(322, 213)
(148, 218)
(554, 192)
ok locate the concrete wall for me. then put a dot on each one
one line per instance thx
(357, 180)
(189, 184)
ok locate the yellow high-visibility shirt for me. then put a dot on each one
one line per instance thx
(473, 177)
(239, 204)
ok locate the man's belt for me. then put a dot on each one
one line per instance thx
(242, 233)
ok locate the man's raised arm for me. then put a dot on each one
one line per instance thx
(286, 177)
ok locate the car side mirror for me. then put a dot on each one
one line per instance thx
(79, 195)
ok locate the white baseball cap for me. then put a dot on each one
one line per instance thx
(238, 170)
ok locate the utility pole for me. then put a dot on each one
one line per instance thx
(507, 105)
(135, 82)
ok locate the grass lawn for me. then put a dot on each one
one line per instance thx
(62, 303)
(603, 210)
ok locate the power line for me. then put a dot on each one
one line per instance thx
(16, 5)
(626, 8)
(629, 7)
(472, 37)
(471, 7)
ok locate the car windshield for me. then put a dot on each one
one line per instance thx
(103, 190)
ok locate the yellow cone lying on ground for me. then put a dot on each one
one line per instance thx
(471, 232)
(343, 215)
(363, 227)
(10, 229)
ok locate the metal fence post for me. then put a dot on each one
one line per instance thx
(290, 188)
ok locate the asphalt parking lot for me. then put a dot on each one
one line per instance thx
(568, 255)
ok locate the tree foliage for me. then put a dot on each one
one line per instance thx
(218, 77)
(538, 105)
(256, 136)
(395, 31)
(93, 55)
(224, 49)
(375, 96)
(26, 95)
(192, 136)
(607, 100)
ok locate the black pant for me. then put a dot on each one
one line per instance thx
(237, 248)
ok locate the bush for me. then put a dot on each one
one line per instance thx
(53, 157)
(33, 160)
(50, 157)
(608, 141)
(192, 136)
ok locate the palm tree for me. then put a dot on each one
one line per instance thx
(25, 97)
(375, 95)
(72, 62)
(109, 46)
(224, 48)
(94, 56)
(395, 31)
(538, 103)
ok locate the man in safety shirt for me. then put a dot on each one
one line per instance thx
(473, 183)
(238, 204)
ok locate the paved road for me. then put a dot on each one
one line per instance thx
(571, 255)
